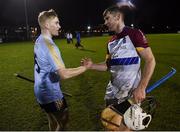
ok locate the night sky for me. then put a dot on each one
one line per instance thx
(80, 13)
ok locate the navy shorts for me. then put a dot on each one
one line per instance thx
(58, 105)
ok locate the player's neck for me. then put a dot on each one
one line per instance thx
(120, 28)
(46, 34)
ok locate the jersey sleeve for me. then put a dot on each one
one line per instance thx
(139, 40)
(54, 56)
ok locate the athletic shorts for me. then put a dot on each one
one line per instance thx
(119, 108)
(58, 105)
(111, 102)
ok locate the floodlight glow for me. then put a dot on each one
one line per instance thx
(127, 1)
(88, 27)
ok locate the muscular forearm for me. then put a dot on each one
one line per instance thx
(66, 73)
(147, 73)
(139, 94)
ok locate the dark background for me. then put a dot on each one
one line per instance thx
(78, 13)
(151, 16)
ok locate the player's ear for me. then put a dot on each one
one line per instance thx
(46, 24)
(118, 16)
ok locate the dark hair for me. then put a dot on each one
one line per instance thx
(124, 10)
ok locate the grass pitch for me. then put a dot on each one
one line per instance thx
(20, 111)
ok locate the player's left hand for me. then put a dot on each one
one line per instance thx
(139, 94)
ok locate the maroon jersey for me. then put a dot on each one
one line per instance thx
(124, 62)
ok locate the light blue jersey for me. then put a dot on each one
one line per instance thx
(48, 60)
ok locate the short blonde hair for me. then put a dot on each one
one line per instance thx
(45, 15)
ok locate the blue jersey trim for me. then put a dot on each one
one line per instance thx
(124, 61)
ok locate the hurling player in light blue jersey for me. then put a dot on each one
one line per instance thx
(49, 69)
(123, 60)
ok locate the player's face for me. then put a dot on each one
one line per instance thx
(54, 26)
(111, 20)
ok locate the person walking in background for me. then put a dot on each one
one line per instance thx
(68, 37)
(78, 40)
(71, 38)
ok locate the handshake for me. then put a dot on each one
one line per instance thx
(87, 62)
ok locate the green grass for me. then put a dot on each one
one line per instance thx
(20, 111)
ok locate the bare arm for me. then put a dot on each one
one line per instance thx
(147, 55)
(99, 67)
(66, 73)
(89, 63)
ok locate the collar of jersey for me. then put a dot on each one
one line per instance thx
(47, 38)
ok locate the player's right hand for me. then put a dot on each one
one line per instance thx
(87, 62)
